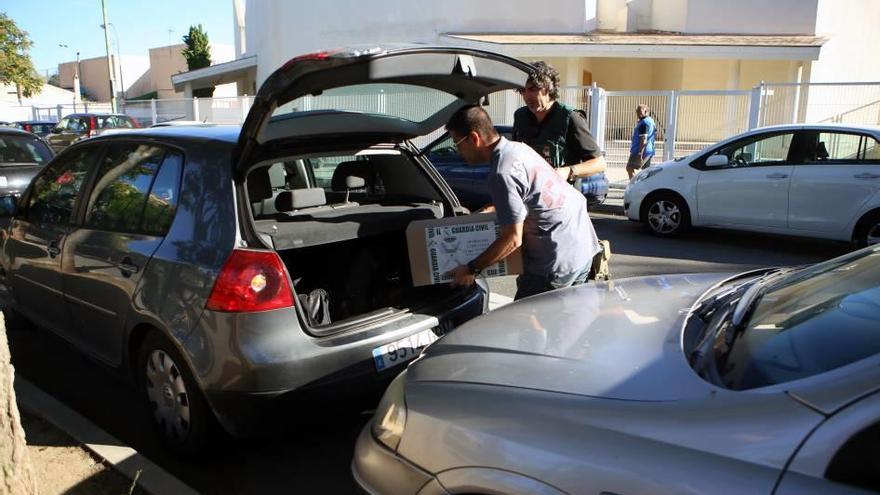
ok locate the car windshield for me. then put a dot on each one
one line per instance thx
(803, 323)
(410, 102)
(23, 149)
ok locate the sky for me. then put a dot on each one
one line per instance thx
(141, 25)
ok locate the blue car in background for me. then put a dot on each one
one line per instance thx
(470, 182)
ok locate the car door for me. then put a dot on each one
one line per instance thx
(752, 189)
(833, 184)
(130, 206)
(56, 138)
(38, 234)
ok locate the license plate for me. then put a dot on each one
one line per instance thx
(402, 350)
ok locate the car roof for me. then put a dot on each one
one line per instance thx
(35, 122)
(210, 132)
(16, 132)
(97, 115)
(818, 126)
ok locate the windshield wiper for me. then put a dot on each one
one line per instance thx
(749, 301)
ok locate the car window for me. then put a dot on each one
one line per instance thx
(23, 149)
(444, 148)
(758, 150)
(812, 321)
(54, 193)
(386, 175)
(62, 124)
(122, 187)
(162, 201)
(77, 125)
(846, 147)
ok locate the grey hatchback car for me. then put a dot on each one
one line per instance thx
(230, 269)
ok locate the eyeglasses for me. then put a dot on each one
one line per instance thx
(456, 143)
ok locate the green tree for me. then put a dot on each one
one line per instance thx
(198, 54)
(16, 66)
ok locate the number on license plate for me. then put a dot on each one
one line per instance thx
(402, 350)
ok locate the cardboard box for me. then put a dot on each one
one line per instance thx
(438, 246)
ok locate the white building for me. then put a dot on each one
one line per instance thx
(618, 44)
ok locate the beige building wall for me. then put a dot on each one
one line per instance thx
(164, 62)
(94, 78)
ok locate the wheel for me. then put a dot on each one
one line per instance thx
(867, 231)
(178, 410)
(666, 214)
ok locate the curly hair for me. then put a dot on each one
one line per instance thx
(545, 77)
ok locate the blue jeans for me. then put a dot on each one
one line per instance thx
(529, 285)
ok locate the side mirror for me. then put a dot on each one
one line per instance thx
(717, 161)
(55, 130)
(8, 206)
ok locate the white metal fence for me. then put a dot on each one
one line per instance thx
(686, 120)
(852, 103)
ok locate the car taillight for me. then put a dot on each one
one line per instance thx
(93, 127)
(28, 128)
(251, 281)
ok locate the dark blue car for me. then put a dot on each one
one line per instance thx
(470, 183)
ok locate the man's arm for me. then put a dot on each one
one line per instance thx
(507, 242)
(643, 138)
(580, 145)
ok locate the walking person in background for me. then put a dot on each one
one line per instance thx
(642, 148)
(534, 206)
(554, 131)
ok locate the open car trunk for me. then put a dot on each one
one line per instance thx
(360, 280)
(338, 220)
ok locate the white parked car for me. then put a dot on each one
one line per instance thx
(813, 180)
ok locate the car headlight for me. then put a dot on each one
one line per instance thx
(390, 417)
(646, 174)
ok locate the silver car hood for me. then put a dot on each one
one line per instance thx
(617, 340)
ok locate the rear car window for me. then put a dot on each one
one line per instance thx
(23, 149)
(838, 146)
(130, 192)
(413, 103)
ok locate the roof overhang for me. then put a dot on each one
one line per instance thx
(215, 75)
(645, 45)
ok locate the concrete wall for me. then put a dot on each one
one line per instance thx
(851, 52)
(94, 77)
(752, 16)
(278, 30)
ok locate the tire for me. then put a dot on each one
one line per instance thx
(666, 214)
(178, 411)
(867, 232)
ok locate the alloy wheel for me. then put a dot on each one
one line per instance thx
(664, 217)
(168, 396)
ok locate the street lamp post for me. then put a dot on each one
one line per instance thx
(109, 63)
(118, 58)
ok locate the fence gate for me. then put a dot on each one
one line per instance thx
(620, 119)
(706, 117)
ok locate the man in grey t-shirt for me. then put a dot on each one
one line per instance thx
(534, 206)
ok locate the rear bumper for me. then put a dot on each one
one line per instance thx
(253, 366)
